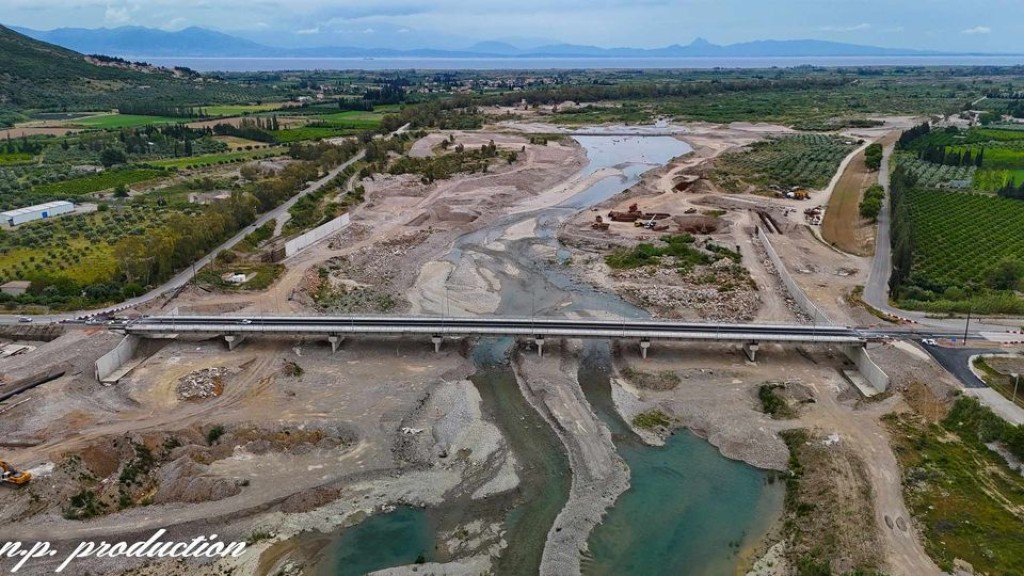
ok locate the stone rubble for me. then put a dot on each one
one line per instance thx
(202, 384)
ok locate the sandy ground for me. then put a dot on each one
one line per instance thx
(842, 225)
(732, 226)
(398, 207)
(421, 419)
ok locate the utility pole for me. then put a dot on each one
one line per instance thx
(1016, 382)
(967, 326)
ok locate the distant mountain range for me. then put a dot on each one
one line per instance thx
(140, 43)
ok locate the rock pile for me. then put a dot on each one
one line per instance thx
(202, 384)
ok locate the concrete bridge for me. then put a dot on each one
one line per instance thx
(235, 329)
(335, 329)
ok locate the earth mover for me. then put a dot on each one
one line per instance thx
(11, 475)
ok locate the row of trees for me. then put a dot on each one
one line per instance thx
(951, 156)
(154, 108)
(258, 129)
(909, 136)
(871, 204)
(1012, 190)
(902, 235)
(873, 156)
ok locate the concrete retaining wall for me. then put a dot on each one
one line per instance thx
(792, 287)
(296, 245)
(110, 362)
(867, 367)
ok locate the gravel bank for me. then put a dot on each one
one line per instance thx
(599, 473)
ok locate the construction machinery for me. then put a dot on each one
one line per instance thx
(11, 475)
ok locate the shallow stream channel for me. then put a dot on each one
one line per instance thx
(689, 510)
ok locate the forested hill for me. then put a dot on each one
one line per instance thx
(39, 76)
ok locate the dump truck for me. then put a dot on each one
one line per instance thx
(11, 475)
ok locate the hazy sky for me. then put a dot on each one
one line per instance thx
(930, 24)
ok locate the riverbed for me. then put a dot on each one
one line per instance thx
(689, 510)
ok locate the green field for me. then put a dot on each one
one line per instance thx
(14, 159)
(98, 182)
(808, 160)
(223, 111)
(930, 174)
(993, 180)
(292, 135)
(353, 119)
(108, 121)
(213, 159)
(78, 247)
(90, 263)
(958, 238)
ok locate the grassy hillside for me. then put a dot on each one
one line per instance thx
(39, 76)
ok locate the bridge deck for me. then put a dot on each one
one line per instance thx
(343, 325)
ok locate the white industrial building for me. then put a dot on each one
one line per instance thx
(48, 210)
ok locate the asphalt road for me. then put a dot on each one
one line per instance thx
(956, 361)
(876, 292)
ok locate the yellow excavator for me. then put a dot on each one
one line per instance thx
(11, 475)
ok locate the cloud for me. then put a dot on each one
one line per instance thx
(175, 24)
(309, 31)
(851, 28)
(977, 30)
(115, 15)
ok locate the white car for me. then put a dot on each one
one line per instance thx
(930, 342)
(24, 319)
(245, 321)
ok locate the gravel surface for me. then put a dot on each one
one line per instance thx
(599, 475)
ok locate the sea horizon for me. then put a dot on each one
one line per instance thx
(271, 64)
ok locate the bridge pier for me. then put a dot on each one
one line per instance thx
(335, 342)
(645, 344)
(437, 340)
(750, 349)
(539, 340)
(234, 340)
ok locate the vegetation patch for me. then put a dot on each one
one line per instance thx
(106, 180)
(806, 160)
(966, 499)
(829, 522)
(772, 403)
(955, 251)
(108, 121)
(871, 205)
(664, 380)
(190, 162)
(680, 248)
(651, 420)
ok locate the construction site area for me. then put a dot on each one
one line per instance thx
(288, 445)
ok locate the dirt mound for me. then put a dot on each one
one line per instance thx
(183, 481)
(310, 500)
(294, 440)
(698, 224)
